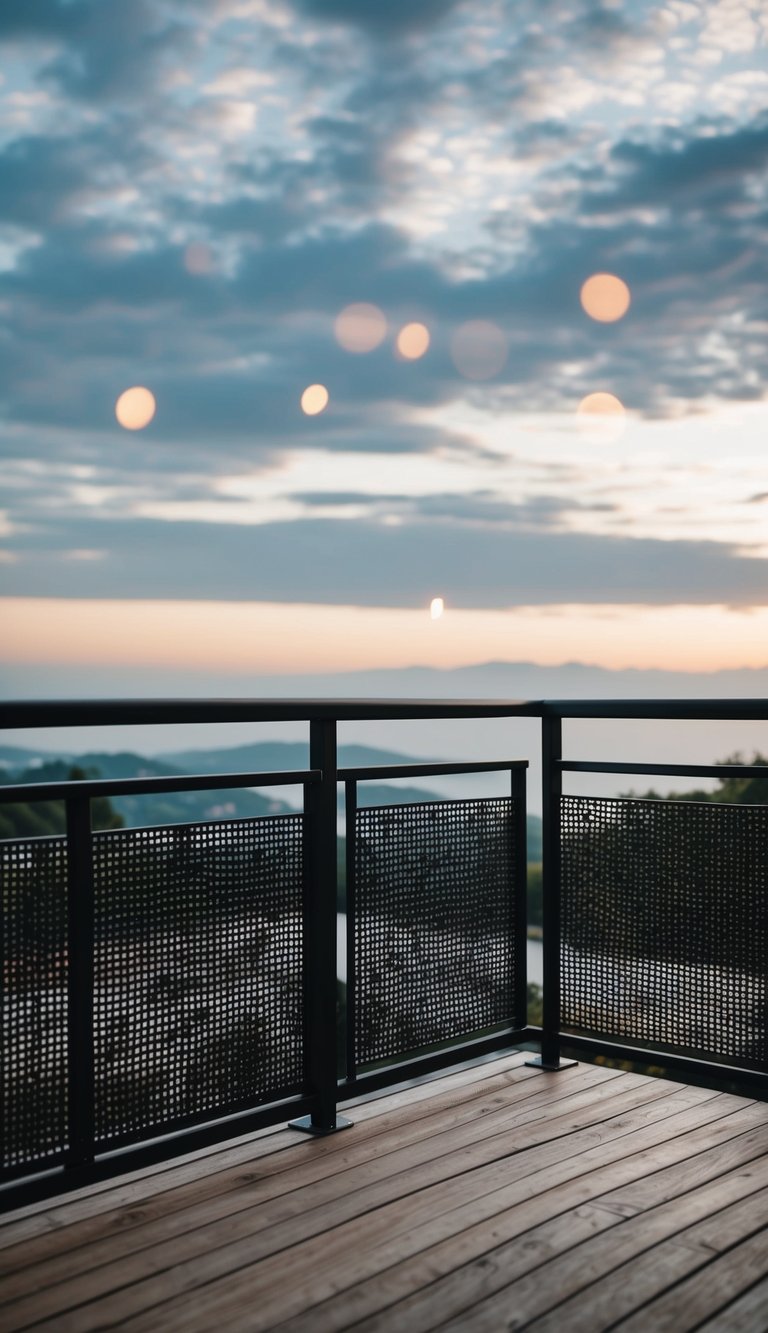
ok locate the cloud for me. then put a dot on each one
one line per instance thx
(367, 563)
(686, 172)
(446, 162)
(104, 52)
(47, 18)
(385, 20)
(483, 506)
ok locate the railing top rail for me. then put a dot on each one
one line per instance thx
(19, 714)
(374, 772)
(751, 771)
(132, 712)
(60, 791)
(678, 710)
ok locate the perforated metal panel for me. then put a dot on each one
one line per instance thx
(198, 971)
(33, 875)
(434, 952)
(665, 924)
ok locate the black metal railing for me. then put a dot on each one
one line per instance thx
(655, 911)
(168, 987)
(436, 915)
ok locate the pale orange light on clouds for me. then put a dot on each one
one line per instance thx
(479, 349)
(135, 408)
(270, 638)
(314, 399)
(360, 327)
(605, 297)
(602, 417)
(413, 341)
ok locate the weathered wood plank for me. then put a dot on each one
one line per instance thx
(625, 1292)
(106, 1196)
(684, 1307)
(747, 1314)
(435, 1284)
(431, 1206)
(78, 1224)
(486, 1203)
(51, 1258)
(188, 1261)
(501, 1301)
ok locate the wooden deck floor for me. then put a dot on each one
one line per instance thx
(496, 1197)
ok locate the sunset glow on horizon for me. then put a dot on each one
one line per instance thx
(267, 638)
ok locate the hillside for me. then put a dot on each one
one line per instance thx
(266, 756)
(136, 811)
(20, 765)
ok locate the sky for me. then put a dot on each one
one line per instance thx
(193, 195)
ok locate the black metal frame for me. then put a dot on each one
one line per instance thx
(517, 769)
(82, 1163)
(316, 1105)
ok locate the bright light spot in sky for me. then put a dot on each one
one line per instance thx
(135, 408)
(198, 259)
(605, 297)
(436, 608)
(478, 349)
(360, 327)
(413, 341)
(602, 417)
(314, 399)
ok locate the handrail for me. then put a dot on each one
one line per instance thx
(678, 710)
(92, 787)
(24, 713)
(373, 772)
(667, 770)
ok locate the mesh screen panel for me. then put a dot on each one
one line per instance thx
(434, 952)
(198, 970)
(33, 875)
(664, 924)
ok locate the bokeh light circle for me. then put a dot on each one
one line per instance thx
(602, 417)
(135, 408)
(314, 399)
(436, 608)
(413, 341)
(478, 349)
(360, 327)
(605, 297)
(198, 259)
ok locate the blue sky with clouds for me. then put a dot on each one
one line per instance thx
(191, 191)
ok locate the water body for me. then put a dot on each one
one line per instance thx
(535, 961)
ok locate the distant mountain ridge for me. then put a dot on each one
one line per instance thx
(278, 756)
(20, 765)
(511, 679)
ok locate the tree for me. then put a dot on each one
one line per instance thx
(40, 819)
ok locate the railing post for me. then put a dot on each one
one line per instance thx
(518, 784)
(320, 881)
(350, 806)
(552, 790)
(80, 981)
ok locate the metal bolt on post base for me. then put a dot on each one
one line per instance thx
(304, 1123)
(539, 1062)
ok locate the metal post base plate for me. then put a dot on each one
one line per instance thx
(538, 1062)
(304, 1123)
